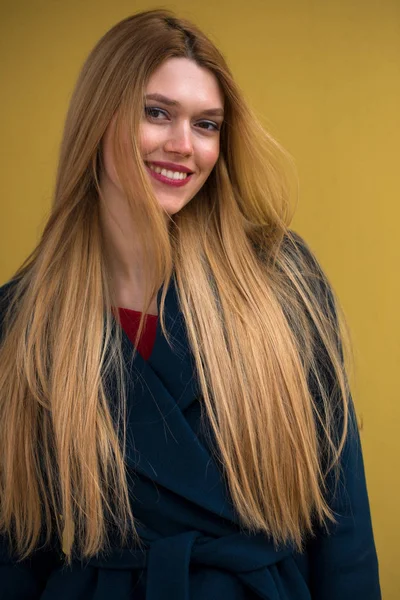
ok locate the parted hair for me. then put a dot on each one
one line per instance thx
(264, 326)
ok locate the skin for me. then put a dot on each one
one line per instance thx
(181, 133)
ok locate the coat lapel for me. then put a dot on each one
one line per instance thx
(161, 443)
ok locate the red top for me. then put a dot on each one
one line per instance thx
(130, 323)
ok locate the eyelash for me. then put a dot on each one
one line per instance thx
(148, 110)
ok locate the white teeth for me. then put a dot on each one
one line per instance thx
(167, 173)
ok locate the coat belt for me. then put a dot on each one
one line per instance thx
(167, 560)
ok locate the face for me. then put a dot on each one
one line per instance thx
(179, 131)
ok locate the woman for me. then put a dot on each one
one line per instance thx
(175, 417)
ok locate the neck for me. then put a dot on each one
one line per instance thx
(124, 254)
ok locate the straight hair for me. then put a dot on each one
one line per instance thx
(266, 332)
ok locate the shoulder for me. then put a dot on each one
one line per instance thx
(296, 247)
(309, 270)
(315, 296)
(301, 278)
(291, 249)
(296, 273)
(7, 291)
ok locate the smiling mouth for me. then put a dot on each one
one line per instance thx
(168, 177)
(168, 173)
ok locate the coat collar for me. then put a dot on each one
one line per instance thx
(162, 444)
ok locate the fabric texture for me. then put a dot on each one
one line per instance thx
(194, 548)
(130, 323)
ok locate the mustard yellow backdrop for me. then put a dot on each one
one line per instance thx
(325, 78)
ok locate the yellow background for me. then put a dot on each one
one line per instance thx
(325, 78)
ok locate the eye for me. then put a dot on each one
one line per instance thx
(209, 126)
(153, 112)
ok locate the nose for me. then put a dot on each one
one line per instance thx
(180, 140)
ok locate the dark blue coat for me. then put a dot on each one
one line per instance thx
(194, 548)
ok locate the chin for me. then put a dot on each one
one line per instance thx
(172, 207)
(174, 201)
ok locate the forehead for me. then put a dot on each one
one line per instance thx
(184, 81)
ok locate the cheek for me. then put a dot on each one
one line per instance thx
(149, 138)
(209, 155)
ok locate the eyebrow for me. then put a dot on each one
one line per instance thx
(217, 112)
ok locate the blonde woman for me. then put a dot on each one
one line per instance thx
(175, 415)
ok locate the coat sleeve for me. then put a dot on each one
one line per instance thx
(22, 580)
(342, 558)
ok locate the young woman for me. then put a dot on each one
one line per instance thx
(175, 415)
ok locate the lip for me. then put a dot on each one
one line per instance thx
(170, 166)
(166, 180)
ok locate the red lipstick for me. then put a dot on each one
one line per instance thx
(170, 166)
(167, 180)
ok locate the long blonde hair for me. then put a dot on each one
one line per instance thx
(259, 312)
